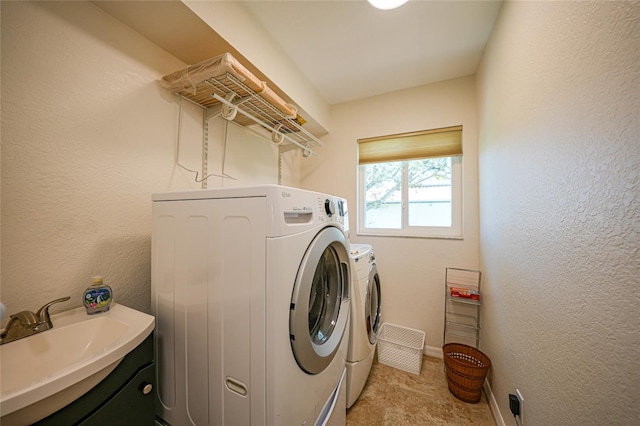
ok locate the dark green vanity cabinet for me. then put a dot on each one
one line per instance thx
(124, 397)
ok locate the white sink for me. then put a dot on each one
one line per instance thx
(42, 373)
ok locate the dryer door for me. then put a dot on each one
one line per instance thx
(320, 301)
(373, 305)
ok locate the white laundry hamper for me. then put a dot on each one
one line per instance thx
(401, 347)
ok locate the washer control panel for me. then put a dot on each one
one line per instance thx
(301, 209)
(332, 209)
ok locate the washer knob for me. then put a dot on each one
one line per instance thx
(329, 207)
(146, 389)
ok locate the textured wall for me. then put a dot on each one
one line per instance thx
(411, 269)
(87, 137)
(559, 152)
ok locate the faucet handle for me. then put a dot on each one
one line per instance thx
(26, 318)
(43, 313)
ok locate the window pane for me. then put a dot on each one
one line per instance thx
(383, 195)
(430, 192)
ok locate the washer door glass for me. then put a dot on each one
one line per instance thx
(320, 301)
(325, 297)
(373, 305)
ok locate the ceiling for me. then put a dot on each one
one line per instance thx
(349, 50)
(346, 49)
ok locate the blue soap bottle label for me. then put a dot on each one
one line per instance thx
(97, 298)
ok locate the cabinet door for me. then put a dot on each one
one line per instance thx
(130, 406)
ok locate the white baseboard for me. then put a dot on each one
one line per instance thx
(433, 351)
(493, 405)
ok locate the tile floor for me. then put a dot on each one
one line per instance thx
(394, 397)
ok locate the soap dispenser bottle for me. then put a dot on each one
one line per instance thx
(97, 298)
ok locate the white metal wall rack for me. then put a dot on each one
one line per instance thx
(462, 303)
(242, 105)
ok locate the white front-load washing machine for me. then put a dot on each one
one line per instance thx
(365, 318)
(251, 292)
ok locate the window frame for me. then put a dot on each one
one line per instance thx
(455, 231)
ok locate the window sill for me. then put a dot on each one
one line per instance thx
(430, 237)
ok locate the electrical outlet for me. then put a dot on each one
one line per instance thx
(521, 399)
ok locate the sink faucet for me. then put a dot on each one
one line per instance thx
(26, 323)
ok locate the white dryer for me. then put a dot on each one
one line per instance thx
(250, 288)
(365, 318)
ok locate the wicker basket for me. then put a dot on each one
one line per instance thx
(466, 368)
(401, 347)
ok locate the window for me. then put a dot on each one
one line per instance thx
(411, 184)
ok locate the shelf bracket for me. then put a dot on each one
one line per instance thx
(229, 110)
(276, 136)
(263, 124)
